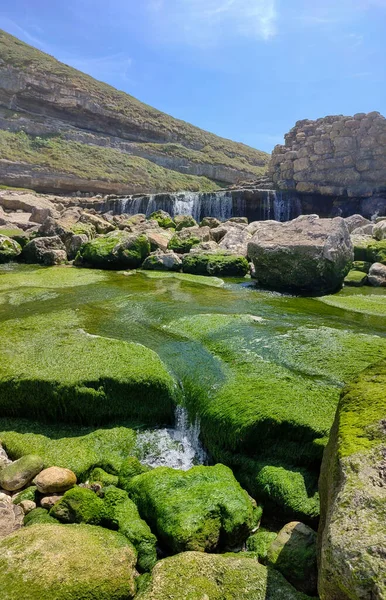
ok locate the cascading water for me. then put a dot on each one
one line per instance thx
(179, 448)
(256, 205)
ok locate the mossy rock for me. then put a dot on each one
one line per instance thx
(20, 473)
(367, 249)
(293, 553)
(113, 510)
(129, 469)
(163, 219)
(28, 493)
(352, 532)
(183, 221)
(84, 229)
(39, 516)
(70, 447)
(79, 377)
(199, 576)
(355, 278)
(115, 250)
(9, 249)
(67, 562)
(183, 245)
(259, 542)
(201, 509)
(221, 265)
(99, 475)
(361, 265)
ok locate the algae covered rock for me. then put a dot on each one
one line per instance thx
(66, 562)
(306, 255)
(115, 250)
(352, 532)
(293, 553)
(199, 576)
(355, 278)
(79, 505)
(259, 542)
(183, 221)
(9, 249)
(162, 261)
(20, 473)
(377, 275)
(54, 480)
(201, 509)
(163, 219)
(39, 516)
(221, 265)
(183, 241)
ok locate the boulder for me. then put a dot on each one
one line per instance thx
(27, 506)
(219, 265)
(55, 480)
(159, 239)
(11, 518)
(28, 493)
(60, 562)
(184, 240)
(9, 249)
(48, 502)
(4, 460)
(242, 220)
(210, 222)
(365, 230)
(39, 516)
(352, 531)
(20, 473)
(162, 261)
(355, 221)
(355, 278)
(259, 542)
(379, 231)
(306, 256)
(183, 221)
(115, 250)
(73, 244)
(41, 213)
(202, 509)
(199, 576)
(236, 241)
(163, 219)
(377, 275)
(101, 225)
(217, 233)
(45, 250)
(293, 553)
(205, 248)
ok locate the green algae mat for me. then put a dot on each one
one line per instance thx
(262, 371)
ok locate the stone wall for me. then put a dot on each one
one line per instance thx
(333, 156)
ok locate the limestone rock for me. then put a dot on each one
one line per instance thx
(27, 506)
(20, 473)
(365, 230)
(355, 221)
(60, 562)
(352, 531)
(4, 460)
(100, 224)
(293, 553)
(210, 222)
(9, 249)
(159, 240)
(162, 261)
(45, 250)
(48, 502)
(74, 243)
(41, 213)
(200, 576)
(183, 221)
(236, 241)
(379, 231)
(306, 255)
(377, 275)
(217, 233)
(11, 518)
(55, 480)
(183, 241)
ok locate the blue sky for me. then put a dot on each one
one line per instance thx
(244, 69)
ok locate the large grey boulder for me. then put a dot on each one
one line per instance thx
(236, 241)
(355, 221)
(41, 213)
(377, 276)
(379, 231)
(162, 261)
(306, 256)
(352, 531)
(45, 250)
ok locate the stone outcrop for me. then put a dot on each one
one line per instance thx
(352, 532)
(306, 255)
(333, 156)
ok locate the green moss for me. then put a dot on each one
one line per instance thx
(201, 280)
(259, 542)
(183, 246)
(39, 516)
(163, 219)
(28, 493)
(195, 576)
(129, 469)
(115, 250)
(18, 474)
(79, 377)
(67, 562)
(182, 221)
(361, 265)
(49, 278)
(369, 250)
(99, 475)
(9, 249)
(215, 264)
(79, 505)
(366, 301)
(84, 229)
(200, 509)
(355, 278)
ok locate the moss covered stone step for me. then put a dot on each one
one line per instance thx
(201, 509)
(52, 369)
(195, 576)
(67, 562)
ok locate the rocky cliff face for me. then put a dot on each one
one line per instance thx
(44, 98)
(333, 156)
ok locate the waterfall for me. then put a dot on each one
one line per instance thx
(256, 205)
(179, 448)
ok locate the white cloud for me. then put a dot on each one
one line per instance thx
(203, 22)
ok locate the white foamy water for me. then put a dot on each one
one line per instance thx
(179, 448)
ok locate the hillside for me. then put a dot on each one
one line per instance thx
(62, 130)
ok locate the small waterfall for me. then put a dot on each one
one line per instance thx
(256, 205)
(179, 448)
